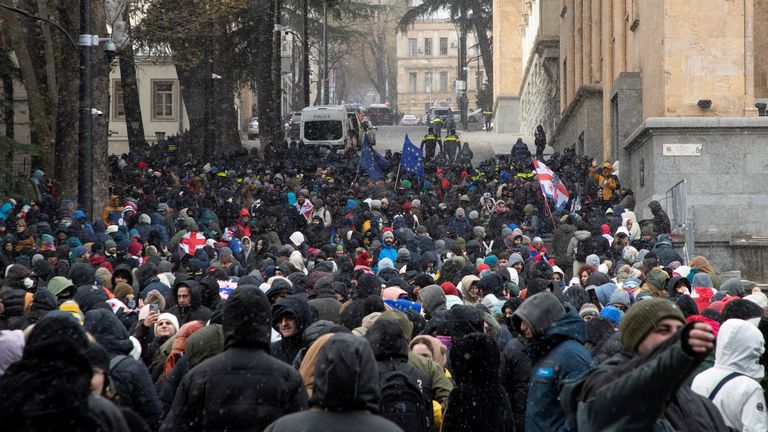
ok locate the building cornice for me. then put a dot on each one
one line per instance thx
(700, 125)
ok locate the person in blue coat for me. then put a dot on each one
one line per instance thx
(556, 336)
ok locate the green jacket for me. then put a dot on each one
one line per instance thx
(642, 392)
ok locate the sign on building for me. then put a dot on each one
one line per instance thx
(682, 150)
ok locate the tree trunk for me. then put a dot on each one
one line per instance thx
(100, 81)
(482, 40)
(41, 123)
(67, 113)
(261, 44)
(193, 92)
(133, 119)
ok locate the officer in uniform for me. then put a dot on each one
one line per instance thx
(437, 125)
(429, 143)
(488, 116)
(451, 145)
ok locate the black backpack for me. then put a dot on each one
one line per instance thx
(404, 400)
(581, 250)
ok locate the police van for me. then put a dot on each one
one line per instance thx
(326, 126)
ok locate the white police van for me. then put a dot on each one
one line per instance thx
(326, 126)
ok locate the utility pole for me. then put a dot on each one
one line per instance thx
(305, 52)
(325, 53)
(277, 39)
(85, 131)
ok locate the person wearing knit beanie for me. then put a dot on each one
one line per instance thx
(588, 311)
(122, 290)
(154, 297)
(166, 325)
(612, 314)
(642, 318)
(661, 350)
(741, 309)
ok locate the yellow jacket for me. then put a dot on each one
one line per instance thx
(607, 183)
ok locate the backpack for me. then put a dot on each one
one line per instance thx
(581, 250)
(404, 401)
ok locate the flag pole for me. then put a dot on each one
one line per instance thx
(398, 174)
(549, 210)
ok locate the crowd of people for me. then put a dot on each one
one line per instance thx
(286, 291)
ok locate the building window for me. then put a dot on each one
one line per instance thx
(443, 46)
(428, 47)
(412, 82)
(162, 100)
(412, 47)
(443, 81)
(118, 102)
(428, 82)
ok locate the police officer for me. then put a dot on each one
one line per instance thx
(488, 116)
(437, 125)
(451, 145)
(429, 143)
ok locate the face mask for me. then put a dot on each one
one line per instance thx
(131, 304)
(28, 283)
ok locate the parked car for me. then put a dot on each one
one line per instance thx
(409, 120)
(253, 128)
(475, 116)
(380, 114)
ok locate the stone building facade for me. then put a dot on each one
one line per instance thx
(427, 66)
(540, 88)
(671, 90)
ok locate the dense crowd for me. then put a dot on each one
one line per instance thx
(287, 291)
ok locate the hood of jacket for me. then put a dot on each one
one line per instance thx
(44, 300)
(91, 297)
(433, 299)
(540, 312)
(475, 358)
(387, 339)
(368, 285)
(109, 332)
(581, 235)
(195, 292)
(569, 325)
(82, 274)
(739, 347)
(247, 319)
(296, 306)
(467, 282)
(345, 375)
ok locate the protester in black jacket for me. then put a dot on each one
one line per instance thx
(296, 309)
(478, 402)
(190, 308)
(243, 388)
(130, 376)
(48, 388)
(346, 391)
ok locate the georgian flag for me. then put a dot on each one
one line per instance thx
(191, 242)
(551, 186)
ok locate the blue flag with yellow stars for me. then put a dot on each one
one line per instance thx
(412, 160)
(372, 161)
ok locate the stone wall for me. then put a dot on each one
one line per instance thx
(582, 123)
(540, 94)
(727, 197)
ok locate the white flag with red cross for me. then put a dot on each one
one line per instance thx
(191, 242)
(551, 186)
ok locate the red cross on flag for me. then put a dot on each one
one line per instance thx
(191, 242)
(551, 186)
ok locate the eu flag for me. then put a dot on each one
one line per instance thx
(372, 161)
(412, 160)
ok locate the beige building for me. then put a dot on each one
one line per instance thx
(427, 66)
(670, 89)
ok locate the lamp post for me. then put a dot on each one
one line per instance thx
(305, 52)
(325, 53)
